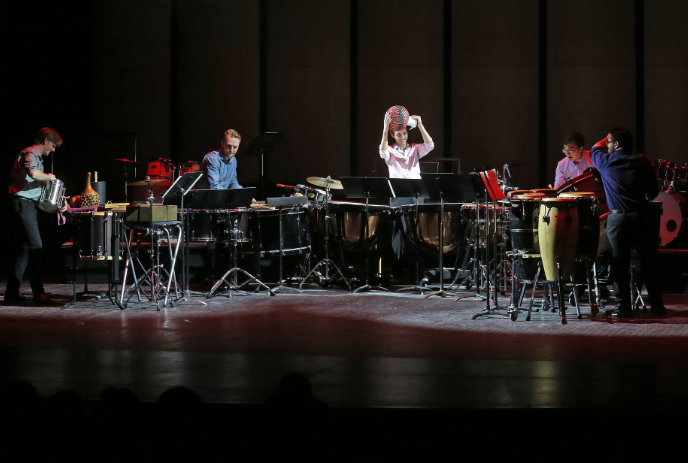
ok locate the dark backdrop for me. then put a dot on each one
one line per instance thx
(496, 81)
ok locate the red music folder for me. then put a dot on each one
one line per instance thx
(489, 178)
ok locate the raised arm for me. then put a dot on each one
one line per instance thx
(385, 132)
(426, 136)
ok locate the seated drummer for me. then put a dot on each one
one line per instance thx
(220, 167)
(575, 161)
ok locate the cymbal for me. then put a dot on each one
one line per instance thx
(325, 182)
(129, 161)
(148, 182)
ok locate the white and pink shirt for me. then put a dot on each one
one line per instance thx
(405, 164)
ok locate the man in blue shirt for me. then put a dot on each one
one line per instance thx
(220, 167)
(630, 183)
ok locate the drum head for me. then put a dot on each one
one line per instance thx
(672, 218)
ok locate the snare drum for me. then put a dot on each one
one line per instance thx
(51, 196)
(262, 228)
(558, 235)
(203, 225)
(93, 237)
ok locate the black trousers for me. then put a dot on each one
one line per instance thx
(26, 247)
(639, 230)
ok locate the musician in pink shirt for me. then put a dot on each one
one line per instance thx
(402, 158)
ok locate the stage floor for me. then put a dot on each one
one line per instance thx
(359, 350)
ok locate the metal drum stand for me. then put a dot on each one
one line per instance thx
(230, 279)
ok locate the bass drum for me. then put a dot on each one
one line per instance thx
(672, 222)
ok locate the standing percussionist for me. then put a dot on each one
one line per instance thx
(575, 161)
(26, 182)
(402, 158)
(630, 182)
(220, 167)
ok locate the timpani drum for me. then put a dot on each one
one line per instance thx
(426, 232)
(348, 222)
(558, 235)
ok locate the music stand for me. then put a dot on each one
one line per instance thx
(280, 204)
(263, 145)
(230, 199)
(181, 187)
(367, 187)
(455, 188)
(412, 187)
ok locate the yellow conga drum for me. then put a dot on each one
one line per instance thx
(558, 235)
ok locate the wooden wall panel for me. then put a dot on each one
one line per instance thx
(131, 72)
(666, 80)
(591, 71)
(495, 86)
(401, 62)
(308, 89)
(218, 78)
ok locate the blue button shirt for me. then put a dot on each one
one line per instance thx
(629, 180)
(218, 173)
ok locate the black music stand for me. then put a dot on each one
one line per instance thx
(179, 189)
(263, 145)
(412, 187)
(367, 187)
(280, 204)
(230, 199)
(455, 188)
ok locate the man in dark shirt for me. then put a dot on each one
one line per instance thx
(630, 183)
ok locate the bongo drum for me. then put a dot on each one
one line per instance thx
(558, 235)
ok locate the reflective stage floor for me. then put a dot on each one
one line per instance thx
(380, 350)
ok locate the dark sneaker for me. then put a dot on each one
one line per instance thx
(43, 299)
(17, 298)
(621, 310)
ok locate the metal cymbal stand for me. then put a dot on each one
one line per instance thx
(442, 292)
(326, 262)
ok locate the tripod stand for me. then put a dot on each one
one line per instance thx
(235, 236)
(326, 262)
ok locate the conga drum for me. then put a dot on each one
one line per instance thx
(549, 192)
(588, 222)
(523, 225)
(558, 235)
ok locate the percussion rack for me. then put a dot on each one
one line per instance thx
(153, 275)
